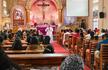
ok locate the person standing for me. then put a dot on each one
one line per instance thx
(83, 24)
(49, 32)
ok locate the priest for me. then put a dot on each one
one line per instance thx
(49, 32)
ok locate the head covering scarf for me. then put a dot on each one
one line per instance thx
(46, 40)
(72, 62)
(17, 45)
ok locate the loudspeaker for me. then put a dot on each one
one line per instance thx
(101, 14)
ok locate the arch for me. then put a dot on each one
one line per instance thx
(18, 16)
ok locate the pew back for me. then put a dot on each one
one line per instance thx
(9, 47)
(103, 56)
(38, 59)
(23, 51)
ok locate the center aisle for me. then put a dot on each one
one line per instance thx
(58, 48)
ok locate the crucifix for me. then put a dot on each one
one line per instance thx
(43, 5)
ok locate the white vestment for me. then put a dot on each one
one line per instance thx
(49, 32)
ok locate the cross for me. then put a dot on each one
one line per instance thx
(43, 5)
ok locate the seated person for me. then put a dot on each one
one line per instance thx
(19, 33)
(29, 36)
(5, 62)
(92, 34)
(75, 36)
(10, 36)
(40, 39)
(87, 34)
(105, 41)
(102, 33)
(72, 62)
(34, 44)
(4, 34)
(17, 45)
(49, 49)
(65, 36)
(46, 40)
(33, 40)
(24, 35)
(96, 37)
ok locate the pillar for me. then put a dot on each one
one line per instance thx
(60, 15)
(28, 18)
(90, 15)
(1, 15)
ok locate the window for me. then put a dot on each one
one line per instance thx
(5, 11)
(95, 13)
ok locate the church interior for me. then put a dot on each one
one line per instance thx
(52, 34)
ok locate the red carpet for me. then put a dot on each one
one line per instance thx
(86, 68)
(58, 48)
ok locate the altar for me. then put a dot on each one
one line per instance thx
(42, 28)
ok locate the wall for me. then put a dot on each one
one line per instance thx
(103, 6)
(105, 9)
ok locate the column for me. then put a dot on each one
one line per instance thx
(0, 14)
(90, 13)
(60, 15)
(28, 8)
(28, 18)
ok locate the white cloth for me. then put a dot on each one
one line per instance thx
(100, 35)
(49, 32)
(96, 54)
(19, 29)
(87, 36)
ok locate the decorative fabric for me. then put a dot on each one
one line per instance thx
(72, 62)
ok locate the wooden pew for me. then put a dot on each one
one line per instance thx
(23, 51)
(9, 47)
(7, 42)
(84, 48)
(38, 59)
(90, 53)
(104, 56)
